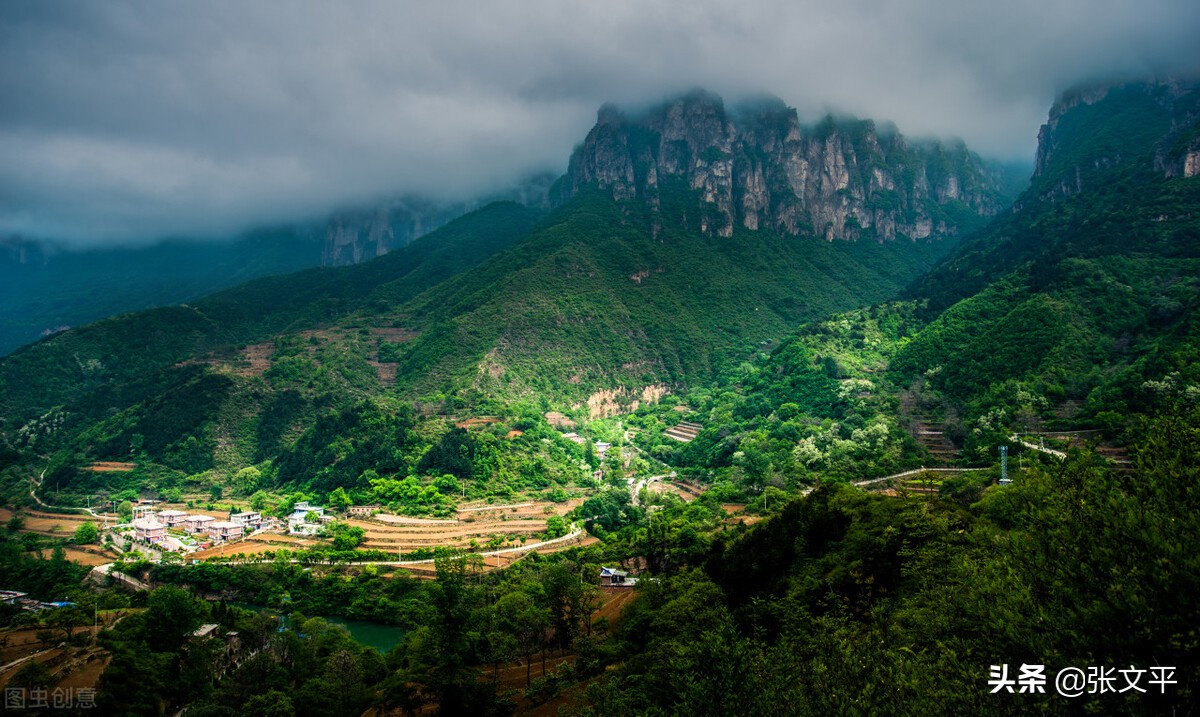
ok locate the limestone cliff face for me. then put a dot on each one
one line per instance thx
(18, 252)
(351, 237)
(759, 168)
(358, 235)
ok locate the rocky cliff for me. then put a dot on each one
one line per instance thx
(355, 236)
(759, 167)
(358, 235)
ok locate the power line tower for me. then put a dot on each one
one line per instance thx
(1004, 466)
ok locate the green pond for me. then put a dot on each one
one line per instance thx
(372, 634)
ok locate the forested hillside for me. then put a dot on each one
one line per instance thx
(1085, 298)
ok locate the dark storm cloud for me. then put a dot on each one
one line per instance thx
(130, 120)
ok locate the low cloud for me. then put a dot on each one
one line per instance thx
(128, 121)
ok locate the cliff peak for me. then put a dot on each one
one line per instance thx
(758, 167)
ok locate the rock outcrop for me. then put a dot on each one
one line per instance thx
(358, 235)
(352, 237)
(760, 168)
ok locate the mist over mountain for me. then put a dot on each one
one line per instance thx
(50, 286)
(125, 122)
(759, 167)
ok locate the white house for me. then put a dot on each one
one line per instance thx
(251, 520)
(299, 522)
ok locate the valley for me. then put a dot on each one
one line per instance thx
(755, 412)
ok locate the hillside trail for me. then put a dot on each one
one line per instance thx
(36, 485)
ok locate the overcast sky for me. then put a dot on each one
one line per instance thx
(126, 121)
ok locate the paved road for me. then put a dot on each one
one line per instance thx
(1049, 451)
(636, 489)
(34, 485)
(902, 474)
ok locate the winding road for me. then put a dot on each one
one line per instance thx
(1049, 451)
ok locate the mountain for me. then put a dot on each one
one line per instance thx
(1084, 298)
(70, 366)
(758, 167)
(1079, 309)
(48, 287)
(353, 236)
(776, 583)
(604, 303)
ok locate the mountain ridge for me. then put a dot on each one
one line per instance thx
(760, 167)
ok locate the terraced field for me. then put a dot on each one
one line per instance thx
(57, 525)
(684, 490)
(684, 432)
(475, 527)
(254, 545)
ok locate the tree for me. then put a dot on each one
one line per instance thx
(86, 534)
(269, 704)
(346, 537)
(33, 676)
(246, 479)
(172, 614)
(565, 600)
(339, 499)
(216, 492)
(521, 618)
(125, 509)
(259, 501)
(451, 676)
(66, 619)
(555, 527)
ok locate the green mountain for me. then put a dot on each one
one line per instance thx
(607, 301)
(598, 306)
(1075, 311)
(1083, 299)
(46, 287)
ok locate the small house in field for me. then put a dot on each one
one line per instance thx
(615, 578)
(172, 518)
(307, 519)
(205, 631)
(198, 523)
(364, 511)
